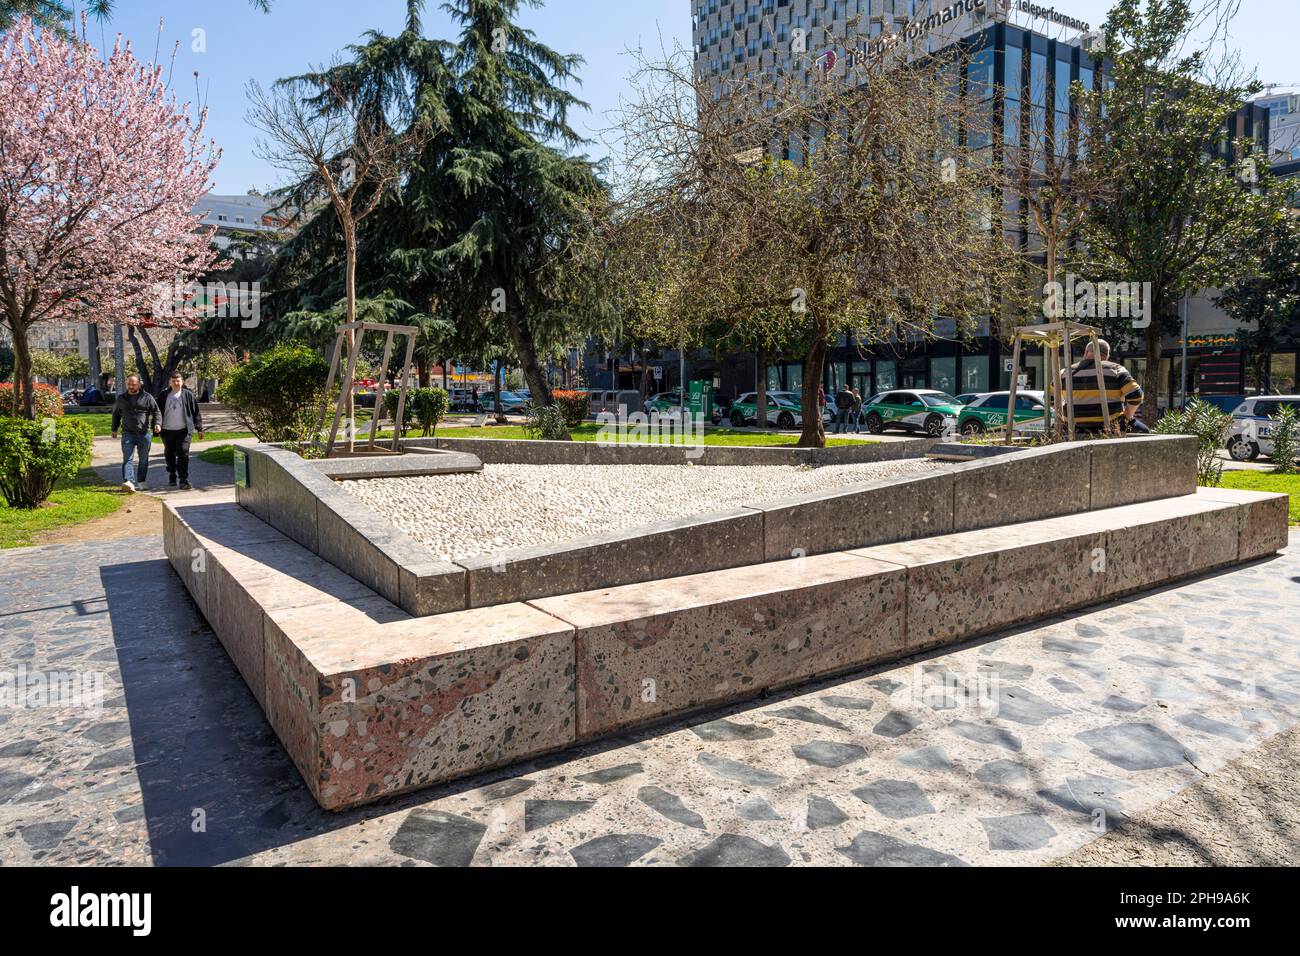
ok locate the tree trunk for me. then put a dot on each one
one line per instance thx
(1151, 384)
(422, 371)
(814, 431)
(350, 241)
(522, 337)
(445, 363)
(24, 396)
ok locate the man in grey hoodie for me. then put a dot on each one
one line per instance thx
(135, 415)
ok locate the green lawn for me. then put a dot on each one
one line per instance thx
(74, 501)
(1266, 481)
(219, 455)
(102, 422)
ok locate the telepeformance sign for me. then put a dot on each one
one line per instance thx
(922, 27)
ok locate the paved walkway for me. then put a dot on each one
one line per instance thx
(1070, 729)
(106, 462)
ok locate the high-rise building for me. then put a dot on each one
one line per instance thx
(1023, 58)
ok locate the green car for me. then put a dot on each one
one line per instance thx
(914, 410)
(989, 411)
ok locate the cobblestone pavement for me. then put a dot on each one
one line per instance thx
(1058, 733)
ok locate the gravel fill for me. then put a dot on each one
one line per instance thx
(505, 507)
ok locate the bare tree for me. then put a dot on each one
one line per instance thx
(333, 148)
(856, 201)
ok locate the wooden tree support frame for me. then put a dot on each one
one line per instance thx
(353, 334)
(1057, 341)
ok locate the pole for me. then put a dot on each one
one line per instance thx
(681, 369)
(1182, 384)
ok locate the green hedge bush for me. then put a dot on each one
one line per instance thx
(35, 455)
(574, 406)
(278, 394)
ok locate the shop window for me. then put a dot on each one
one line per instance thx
(974, 373)
(886, 376)
(943, 375)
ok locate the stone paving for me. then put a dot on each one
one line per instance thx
(1056, 733)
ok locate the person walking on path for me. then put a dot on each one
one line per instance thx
(1123, 394)
(857, 412)
(181, 420)
(843, 409)
(135, 415)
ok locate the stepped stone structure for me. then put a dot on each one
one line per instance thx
(384, 671)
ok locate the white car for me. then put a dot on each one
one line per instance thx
(1248, 436)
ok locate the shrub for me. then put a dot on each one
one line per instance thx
(278, 394)
(430, 406)
(35, 455)
(1209, 426)
(1284, 432)
(49, 403)
(408, 411)
(546, 423)
(574, 406)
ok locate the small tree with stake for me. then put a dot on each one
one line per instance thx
(336, 148)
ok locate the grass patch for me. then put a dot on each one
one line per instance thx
(1265, 481)
(102, 423)
(590, 431)
(220, 455)
(74, 501)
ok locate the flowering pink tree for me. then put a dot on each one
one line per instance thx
(100, 169)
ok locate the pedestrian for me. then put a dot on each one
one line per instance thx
(1123, 394)
(135, 414)
(843, 409)
(181, 420)
(857, 412)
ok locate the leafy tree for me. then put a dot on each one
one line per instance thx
(1179, 216)
(1269, 300)
(849, 236)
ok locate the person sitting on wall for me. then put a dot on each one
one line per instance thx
(1124, 395)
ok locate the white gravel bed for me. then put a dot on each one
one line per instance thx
(515, 506)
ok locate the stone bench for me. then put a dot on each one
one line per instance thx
(371, 702)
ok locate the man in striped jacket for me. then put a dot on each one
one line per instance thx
(1123, 393)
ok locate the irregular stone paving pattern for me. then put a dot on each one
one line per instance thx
(1098, 716)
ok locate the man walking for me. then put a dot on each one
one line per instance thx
(843, 409)
(181, 419)
(857, 412)
(135, 414)
(1123, 394)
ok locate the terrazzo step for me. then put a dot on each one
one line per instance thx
(371, 702)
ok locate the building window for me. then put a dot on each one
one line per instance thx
(886, 376)
(943, 374)
(975, 373)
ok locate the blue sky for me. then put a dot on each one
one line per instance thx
(243, 44)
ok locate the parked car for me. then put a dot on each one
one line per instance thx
(1248, 436)
(918, 409)
(462, 400)
(744, 410)
(966, 398)
(989, 411)
(511, 402)
(663, 402)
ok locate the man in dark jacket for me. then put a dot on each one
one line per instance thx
(181, 419)
(135, 414)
